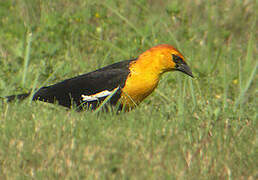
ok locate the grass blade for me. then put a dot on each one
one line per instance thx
(106, 100)
(244, 89)
(191, 87)
(26, 56)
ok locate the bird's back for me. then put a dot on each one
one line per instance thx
(71, 91)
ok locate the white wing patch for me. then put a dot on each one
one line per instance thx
(95, 97)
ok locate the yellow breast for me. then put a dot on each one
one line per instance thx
(139, 84)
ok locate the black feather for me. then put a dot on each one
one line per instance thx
(68, 92)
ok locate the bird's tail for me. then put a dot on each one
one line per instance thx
(16, 97)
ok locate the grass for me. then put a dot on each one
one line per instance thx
(202, 128)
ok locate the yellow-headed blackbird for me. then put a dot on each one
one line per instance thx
(125, 83)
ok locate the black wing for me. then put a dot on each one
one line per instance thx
(70, 91)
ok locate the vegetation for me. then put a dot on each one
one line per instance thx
(201, 128)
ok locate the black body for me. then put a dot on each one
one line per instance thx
(69, 92)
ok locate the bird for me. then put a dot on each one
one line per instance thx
(124, 84)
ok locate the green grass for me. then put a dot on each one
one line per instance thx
(201, 128)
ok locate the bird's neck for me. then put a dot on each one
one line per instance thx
(143, 79)
(147, 64)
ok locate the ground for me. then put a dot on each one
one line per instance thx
(201, 128)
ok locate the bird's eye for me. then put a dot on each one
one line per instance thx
(177, 59)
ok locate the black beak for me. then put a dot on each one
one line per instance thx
(185, 69)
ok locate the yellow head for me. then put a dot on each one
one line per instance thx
(165, 58)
